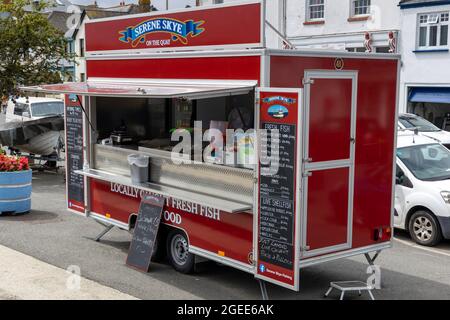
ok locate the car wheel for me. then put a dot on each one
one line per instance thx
(425, 229)
(178, 252)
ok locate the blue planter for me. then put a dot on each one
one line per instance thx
(15, 192)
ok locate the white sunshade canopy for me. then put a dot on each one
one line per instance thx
(148, 88)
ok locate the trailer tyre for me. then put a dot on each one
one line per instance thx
(178, 252)
(158, 248)
(158, 251)
(424, 229)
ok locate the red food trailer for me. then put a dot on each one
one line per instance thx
(149, 75)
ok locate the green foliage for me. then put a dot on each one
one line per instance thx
(31, 49)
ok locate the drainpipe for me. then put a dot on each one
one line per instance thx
(283, 17)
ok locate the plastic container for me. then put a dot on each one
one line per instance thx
(139, 168)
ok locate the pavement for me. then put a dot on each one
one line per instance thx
(58, 238)
(47, 282)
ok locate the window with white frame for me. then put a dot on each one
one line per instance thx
(315, 10)
(360, 7)
(432, 30)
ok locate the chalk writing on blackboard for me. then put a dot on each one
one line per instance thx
(145, 232)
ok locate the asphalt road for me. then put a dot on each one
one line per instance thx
(53, 235)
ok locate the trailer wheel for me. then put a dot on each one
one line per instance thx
(178, 252)
(425, 229)
(158, 250)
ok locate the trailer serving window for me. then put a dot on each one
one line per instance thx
(140, 116)
(149, 123)
(144, 113)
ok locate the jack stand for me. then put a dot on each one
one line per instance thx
(262, 286)
(104, 232)
(371, 260)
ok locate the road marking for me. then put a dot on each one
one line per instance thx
(413, 245)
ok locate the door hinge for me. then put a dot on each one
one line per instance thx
(305, 248)
(307, 174)
(308, 160)
(306, 82)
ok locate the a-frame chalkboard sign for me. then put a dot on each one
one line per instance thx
(145, 232)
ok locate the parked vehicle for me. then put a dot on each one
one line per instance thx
(28, 109)
(425, 128)
(422, 194)
(34, 125)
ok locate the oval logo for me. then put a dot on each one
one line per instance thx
(278, 112)
(73, 97)
(339, 64)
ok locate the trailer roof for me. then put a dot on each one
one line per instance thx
(148, 88)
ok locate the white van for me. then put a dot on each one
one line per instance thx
(27, 109)
(422, 193)
(425, 128)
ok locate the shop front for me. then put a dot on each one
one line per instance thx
(431, 103)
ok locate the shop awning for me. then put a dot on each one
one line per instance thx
(148, 88)
(430, 94)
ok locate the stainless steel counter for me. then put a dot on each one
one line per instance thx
(228, 184)
(209, 201)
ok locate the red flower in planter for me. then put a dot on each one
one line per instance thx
(13, 163)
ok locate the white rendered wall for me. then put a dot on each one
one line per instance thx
(337, 32)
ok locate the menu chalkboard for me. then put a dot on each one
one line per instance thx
(277, 200)
(145, 232)
(278, 230)
(74, 154)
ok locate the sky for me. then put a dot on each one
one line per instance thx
(159, 4)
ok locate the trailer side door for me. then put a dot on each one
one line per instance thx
(329, 135)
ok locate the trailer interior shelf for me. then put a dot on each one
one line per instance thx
(213, 202)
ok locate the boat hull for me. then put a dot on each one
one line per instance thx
(44, 144)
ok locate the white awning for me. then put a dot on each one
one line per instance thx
(148, 88)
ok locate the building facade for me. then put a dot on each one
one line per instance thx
(425, 77)
(343, 24)
(59, 20)
(331, 24)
